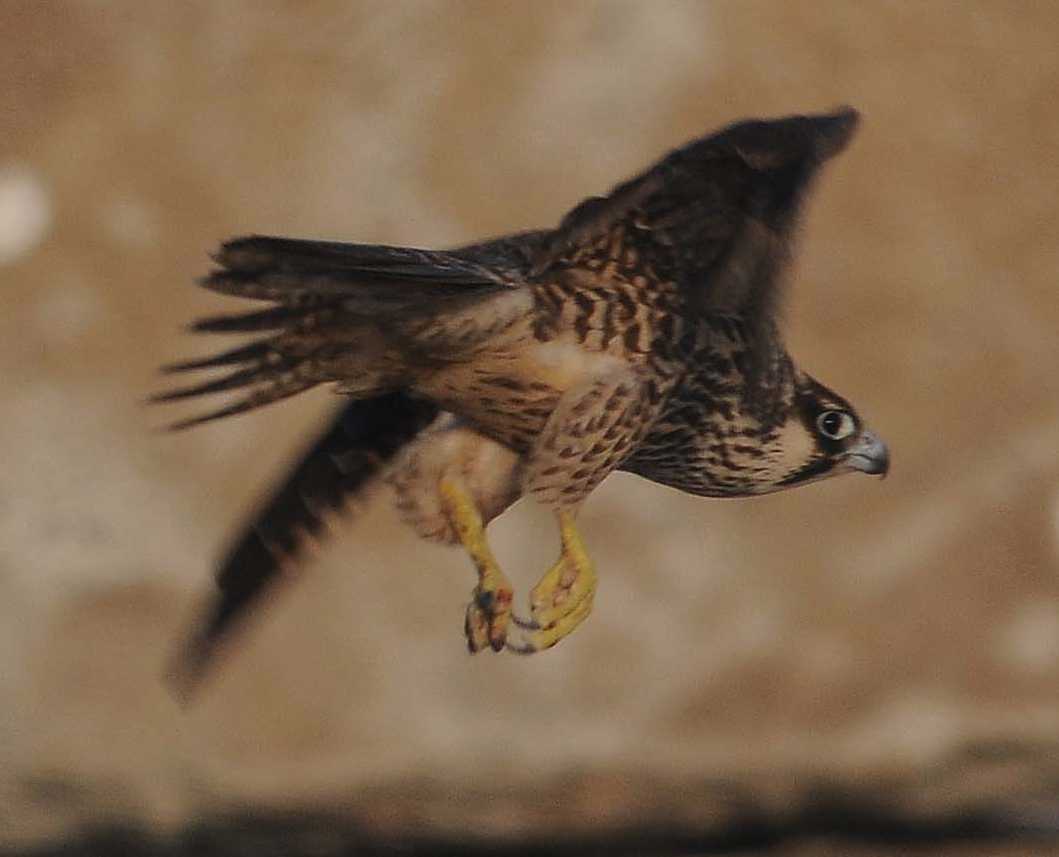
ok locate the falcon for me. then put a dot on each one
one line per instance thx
(640, 334)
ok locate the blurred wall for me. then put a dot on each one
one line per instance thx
(850, 626)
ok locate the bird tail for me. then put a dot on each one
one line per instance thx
(361, 440)
(339, 311)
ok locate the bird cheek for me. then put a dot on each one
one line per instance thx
(795, 448)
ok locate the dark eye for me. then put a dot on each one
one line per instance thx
(836, 425)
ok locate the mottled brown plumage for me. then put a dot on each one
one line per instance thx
(640, 334)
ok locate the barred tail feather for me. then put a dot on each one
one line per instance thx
(258, 398)
(253, 352)
(271, 369)
(337, 308)
(270, 319)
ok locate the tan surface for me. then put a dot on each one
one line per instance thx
(852, 628)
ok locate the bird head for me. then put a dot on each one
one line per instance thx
(824, 436)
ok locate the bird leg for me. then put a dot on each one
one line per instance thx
(489, 612)
(562, 599)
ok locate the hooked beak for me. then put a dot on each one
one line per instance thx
(869, 454)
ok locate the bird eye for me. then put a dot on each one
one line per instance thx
(835, 425)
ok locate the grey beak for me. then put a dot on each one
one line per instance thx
(869, 454)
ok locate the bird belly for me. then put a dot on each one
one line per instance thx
(449, 449)
(509, 395)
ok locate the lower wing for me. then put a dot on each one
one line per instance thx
(363, 437)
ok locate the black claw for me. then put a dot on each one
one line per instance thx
(525, 624)
(468, 635)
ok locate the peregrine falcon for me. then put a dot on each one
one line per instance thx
(640, 334)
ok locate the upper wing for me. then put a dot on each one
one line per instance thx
(291, 270)
(359, 442)
(715, 216)
(334, 308)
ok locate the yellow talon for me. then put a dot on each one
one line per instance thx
(559, 602)
(489, 613)
(562, 599)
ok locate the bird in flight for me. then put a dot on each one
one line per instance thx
(640, 334)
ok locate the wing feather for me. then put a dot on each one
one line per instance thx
(292, 271)
(715, 216)
(361, 439)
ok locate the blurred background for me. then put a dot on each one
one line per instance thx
(819, 671)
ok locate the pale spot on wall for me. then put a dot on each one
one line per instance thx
(662, 47)
(913, 724)
(1030, 641)
(25, 212)
(130, 223)
(65, 312)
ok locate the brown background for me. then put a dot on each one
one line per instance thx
(854, 632)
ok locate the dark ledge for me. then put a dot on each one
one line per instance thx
(1000, 800)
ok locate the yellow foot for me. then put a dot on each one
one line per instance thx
(489, 613)
(562, 599)
(488, 617)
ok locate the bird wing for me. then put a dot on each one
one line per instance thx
(715, 216)
(361, 439)
(592, 431)
(291, 270)
(335, 306)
